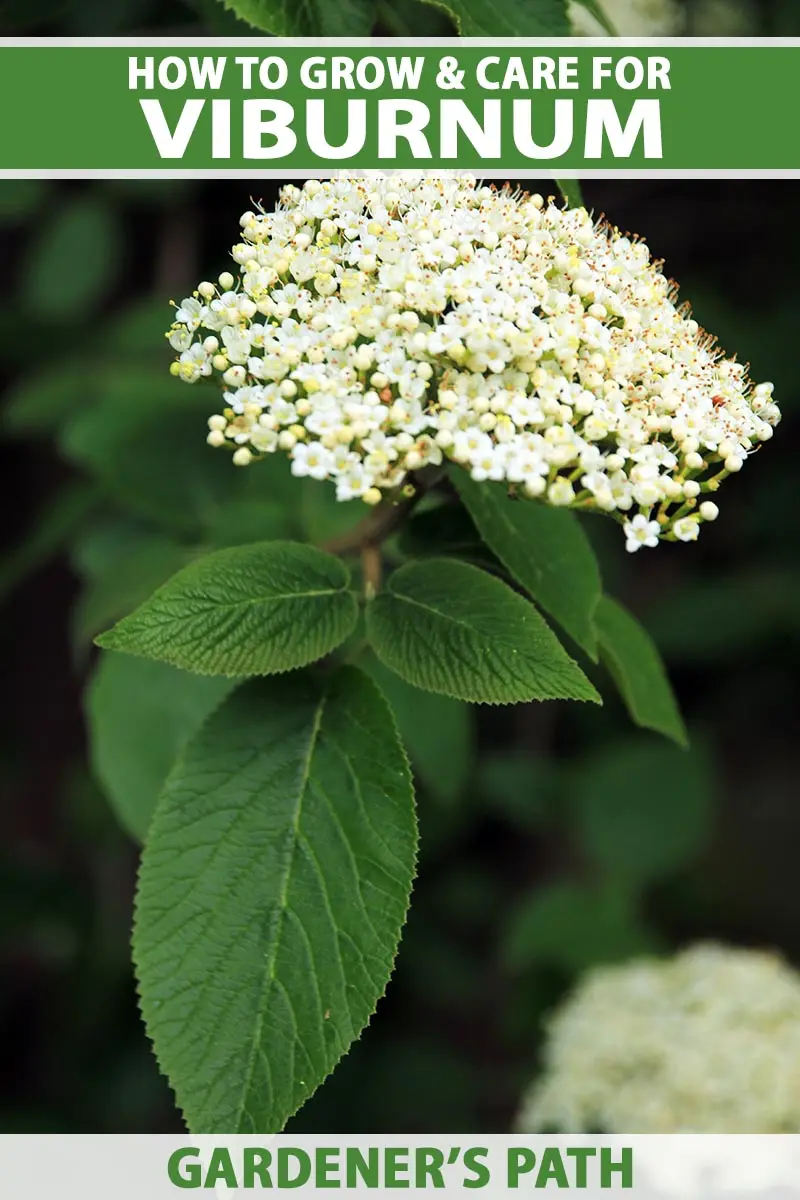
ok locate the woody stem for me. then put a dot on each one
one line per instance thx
(384, 520)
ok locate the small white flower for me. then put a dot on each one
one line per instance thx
(686, 529)
(640, 532)
(561, 493)
(180, 338)
(311, 459)
(190, 313)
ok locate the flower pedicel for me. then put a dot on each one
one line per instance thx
(380, 325)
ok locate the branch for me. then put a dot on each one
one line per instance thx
(386, 518)
(374, 529)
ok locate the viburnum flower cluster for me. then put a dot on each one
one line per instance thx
(376, 326)
(705, 1042)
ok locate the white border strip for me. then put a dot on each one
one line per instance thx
(387, 43)
(290, 172)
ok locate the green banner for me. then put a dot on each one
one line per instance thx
(265, 106)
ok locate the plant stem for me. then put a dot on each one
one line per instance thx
(384, 520)
(373, 530)
(371, 568)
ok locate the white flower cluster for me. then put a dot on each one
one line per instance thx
(630, 18)
(381, 325)
(705, 1042)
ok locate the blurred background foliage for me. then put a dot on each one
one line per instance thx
(553, 837)
(406, 18)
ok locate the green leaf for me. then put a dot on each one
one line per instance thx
(571, 191)
(448, 627)
(509, 18)
(413, 19)
(219, 21)
(643, 809)
(273, 890)
(244, 610)
(546, 551)
(596, 10)
(140, 716)
(443, 532)
(437, 732)
(71, 268)
(633, 661)
(574, 927)
(311, 18)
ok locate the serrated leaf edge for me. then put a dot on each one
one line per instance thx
(415, 860)
(591, 699)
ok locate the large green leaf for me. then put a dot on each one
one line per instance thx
(437, 732)
(633, 661)
(308, 18)
(140, 715)
(448, 627)
(643, 808)
(546, 551)
(273, 890)
(244, 610)
(509, 18)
